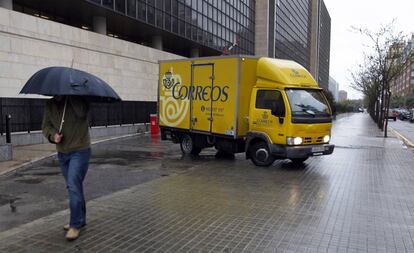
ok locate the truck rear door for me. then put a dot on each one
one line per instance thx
(200, 101)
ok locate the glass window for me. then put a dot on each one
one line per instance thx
(151, 2)
(159, 4)
(210, 26)
(193, 17)
(188, 14)
(204, 23)
(120, 5)
(167, 24)
(159, 18)
(151, 15)
(306, 102)
(174, 7)
(194, 33)
(181, 28)
(167, 6)
(174, 24)
(270, 100)
(188, 30)
(142, 11)
(181, 11)
(131, 8)
(200, 6)
(205, 8)
(108, 3)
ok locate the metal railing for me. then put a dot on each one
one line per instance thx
(27, 113)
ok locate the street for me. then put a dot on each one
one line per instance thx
(143, 196)
(403, 127)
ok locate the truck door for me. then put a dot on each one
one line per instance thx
(263, 120)
(201, 103)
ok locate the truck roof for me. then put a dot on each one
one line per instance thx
(284, 72)
(270, 71)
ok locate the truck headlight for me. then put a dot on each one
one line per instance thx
(326, 138)
(294, 140)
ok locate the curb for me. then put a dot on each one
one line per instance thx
(406, 141)
(17, 167)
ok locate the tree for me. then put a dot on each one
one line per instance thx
(396, 102)
(384, 61)
(331, 100)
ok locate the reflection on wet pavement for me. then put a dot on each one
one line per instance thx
(359, 199)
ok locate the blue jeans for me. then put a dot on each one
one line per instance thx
(74, 166)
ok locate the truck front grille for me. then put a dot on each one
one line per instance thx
(310, 140)
(307, 140)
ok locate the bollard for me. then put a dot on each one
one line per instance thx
(8, 135)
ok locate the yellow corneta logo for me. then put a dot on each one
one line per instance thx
(173, 111)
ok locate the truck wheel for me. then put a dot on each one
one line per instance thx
(259, 152)
(298, 160)
(187, 146)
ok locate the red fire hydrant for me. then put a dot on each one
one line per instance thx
(154, 124)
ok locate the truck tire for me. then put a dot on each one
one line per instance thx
(260, 155)
(298, 160)
(187, 145)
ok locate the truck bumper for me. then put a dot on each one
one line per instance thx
(301, 151)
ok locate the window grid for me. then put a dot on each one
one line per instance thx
(213, 23)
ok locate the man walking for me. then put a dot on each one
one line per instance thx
(65, 123)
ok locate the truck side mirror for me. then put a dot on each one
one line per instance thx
(278, 112)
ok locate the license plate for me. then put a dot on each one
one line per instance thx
(318, 149)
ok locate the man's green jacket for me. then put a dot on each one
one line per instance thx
(75, 128)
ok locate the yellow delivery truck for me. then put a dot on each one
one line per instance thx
(268, 108)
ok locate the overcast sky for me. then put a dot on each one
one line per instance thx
(347, 46)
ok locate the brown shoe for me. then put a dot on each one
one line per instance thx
(67, 226)
(72, 234)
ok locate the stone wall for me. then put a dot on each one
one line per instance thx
(29, 43)
(36, 137)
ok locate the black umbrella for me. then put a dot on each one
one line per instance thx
(64, 81)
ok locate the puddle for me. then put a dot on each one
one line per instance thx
(29, 180)
(42, 171)
(7, 199)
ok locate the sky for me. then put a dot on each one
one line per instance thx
(347, 47)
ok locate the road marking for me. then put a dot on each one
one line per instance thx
(406, 141)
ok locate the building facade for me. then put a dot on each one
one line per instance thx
(342, 95)
(297, 30)
(334, 88)
(323, 46)
(121, 41)
(403, 85)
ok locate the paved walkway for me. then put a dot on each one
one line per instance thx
(359, 199)
(26, 155)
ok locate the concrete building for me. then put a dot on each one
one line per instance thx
(403, 85)
(297, 30)
(334, 88)
(121, 41)
(342, 95)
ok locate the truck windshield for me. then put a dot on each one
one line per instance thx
(308, 103)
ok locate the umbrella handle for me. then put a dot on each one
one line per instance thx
(63, 115)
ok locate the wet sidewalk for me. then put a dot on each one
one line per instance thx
(29, 154)
(359, 199)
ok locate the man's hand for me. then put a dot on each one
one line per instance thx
(57, 138)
